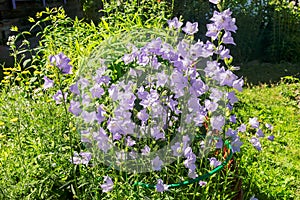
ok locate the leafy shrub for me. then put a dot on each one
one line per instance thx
(77, 38)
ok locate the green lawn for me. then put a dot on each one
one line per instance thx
(273, 173)
(34, 152)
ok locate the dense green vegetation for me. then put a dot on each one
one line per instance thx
(38, 137)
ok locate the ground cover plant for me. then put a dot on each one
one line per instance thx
(53, 151)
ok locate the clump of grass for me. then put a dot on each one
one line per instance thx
(274, 172)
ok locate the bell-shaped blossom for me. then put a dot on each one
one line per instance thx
(97, 91)
(75, 108)
(177, 149)
(202, 183)
(269, 126)
(210, 105)
(216, 94)
(48, 83)
(217, 122)
(100, 114)
(223, 20)
(254, 123)
(238, 84)
(154, 46)
(103, 141)
(88, 116)
(219, 144)
(231, 133)
(242, 128)
(232, 119)
(59, 97)
(146, 150)
(85, 99)
(62, 62)
(143, 115)
(271, 137)
(190, 28)
(227, 38)
(192, 174)
(156, 163)
(236, 144)
(227, 78)
(212, 31)
(214, 162)
(232, 97)
(74, 88)
(107, 185)
(256, 143)
(174, 23)
(130, 142)
(81, 158)
(160, 186)
(83, 83)
(260, 133)
(156, 133)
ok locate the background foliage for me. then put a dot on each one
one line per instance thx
(268, 29)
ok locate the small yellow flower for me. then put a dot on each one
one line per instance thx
(25, 72)
(39, 14)
(49, 100)
(30, 19)
(14, 119)
(1, 123)
(14, 28)
(7, 69)
(6, 73)
(37, 72)
(5, 81)
(27, 83)
(18, 79)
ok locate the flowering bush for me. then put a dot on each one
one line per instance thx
(165, 101)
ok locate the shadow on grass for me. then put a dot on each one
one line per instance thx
(256, 73)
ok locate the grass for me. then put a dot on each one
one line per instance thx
(273, 173)
(268, 73)
(34, 153)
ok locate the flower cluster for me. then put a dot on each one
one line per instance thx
(166, 99)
